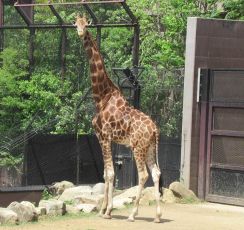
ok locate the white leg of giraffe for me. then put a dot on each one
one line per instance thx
(142, 177)
(155, 171)
(105, 200)
(107, 205)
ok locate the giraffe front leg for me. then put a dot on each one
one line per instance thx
(142, 175)
(110, 179)
(107, 205)
(105, 199)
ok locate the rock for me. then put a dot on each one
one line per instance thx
(148, 196)
(41, 211)
(98, 189)
(182, 192)
(129, 193)
(120, 203)
(72, 209)
(90, 199)
(53, 207)
(70, 193)
(8, 216)
(87, 208)
(168, 196)
(59, 187)
(25, 212)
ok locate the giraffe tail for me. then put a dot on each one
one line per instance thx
(156, 149)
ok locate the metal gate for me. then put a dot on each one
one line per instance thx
(225, 137)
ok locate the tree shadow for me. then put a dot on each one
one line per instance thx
(147, 219)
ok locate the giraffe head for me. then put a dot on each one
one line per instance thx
(81, 23)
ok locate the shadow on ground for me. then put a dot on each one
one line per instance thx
(147, 219)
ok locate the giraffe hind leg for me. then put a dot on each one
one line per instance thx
(142, 177)
(156, 176)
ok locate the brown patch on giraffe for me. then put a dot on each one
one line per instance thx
(111, 118)
(147, 122)
(99, 65)
(95, 90)
(101, 78)
(89, 53)
(93, 68)
(119, 103)
(146, 135)
(94, 80)
(106, 115)
(112, 109)
(100, 86)
(123, 108)
(96, 56)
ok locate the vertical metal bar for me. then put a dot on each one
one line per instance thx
(135, 51)
(63, 52)
(135, 63)
(31, 50)
(1, 24)
(99, 34)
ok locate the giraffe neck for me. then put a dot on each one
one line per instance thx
(102, 86)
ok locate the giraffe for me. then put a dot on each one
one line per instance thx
(117, 121)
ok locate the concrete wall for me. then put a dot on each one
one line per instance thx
(210, 43)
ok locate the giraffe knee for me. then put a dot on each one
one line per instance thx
(110, 175)
(143, 177)
(156, 174)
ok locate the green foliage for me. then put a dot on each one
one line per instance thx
(51, 101)
(46, 195)
(7, 160)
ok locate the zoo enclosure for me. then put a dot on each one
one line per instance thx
(124, 163)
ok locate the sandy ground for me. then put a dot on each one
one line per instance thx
(203, 216)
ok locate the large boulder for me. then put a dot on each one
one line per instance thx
(8, 216)
(169, 197)
(87, 208)
(89, 199)
(70, 193)
(129, 193)
(59, 187)
(53, 207)
(41, 211)
(26, 211)
(121, 202)
(147, 196)
(182, 192)
(72, 209)
(98, 189)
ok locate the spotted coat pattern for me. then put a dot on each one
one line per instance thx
(116, 121)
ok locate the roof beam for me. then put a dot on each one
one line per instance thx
(129, 12)
(93, 16)
(57, 15)
(23, 15)
(53, 26)
(70, 3)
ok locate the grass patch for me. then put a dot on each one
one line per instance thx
(52, 218)
(189, 200)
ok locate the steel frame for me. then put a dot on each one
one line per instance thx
(25, 8)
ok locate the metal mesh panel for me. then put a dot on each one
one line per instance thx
(228, 150)
(227, 183)
(228, 119)
(228, 86)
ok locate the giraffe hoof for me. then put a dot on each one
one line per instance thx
(157, 220)
(130, 219)
(105, 216)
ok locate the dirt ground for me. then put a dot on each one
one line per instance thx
(204, 216)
